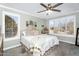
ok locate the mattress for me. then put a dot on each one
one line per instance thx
(42, 42)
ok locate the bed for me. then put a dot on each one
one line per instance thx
(38, 44)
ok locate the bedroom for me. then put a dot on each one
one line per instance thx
(49, 33)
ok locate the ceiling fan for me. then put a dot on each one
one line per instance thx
(49, 7)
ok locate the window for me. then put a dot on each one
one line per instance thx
(65, 25)
(11, 25)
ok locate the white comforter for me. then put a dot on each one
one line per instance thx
(43, 42)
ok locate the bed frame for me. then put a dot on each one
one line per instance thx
(29, 50)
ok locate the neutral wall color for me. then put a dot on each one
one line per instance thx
(77, 20)
(35, 19)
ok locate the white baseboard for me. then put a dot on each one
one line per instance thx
(67, 41)
(11, 47)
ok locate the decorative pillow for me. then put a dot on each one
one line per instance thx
(24, 33)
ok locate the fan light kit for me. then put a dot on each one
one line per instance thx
(49, 8)
(48, 12)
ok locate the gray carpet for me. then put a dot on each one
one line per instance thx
(63, 49)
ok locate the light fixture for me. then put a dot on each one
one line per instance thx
(48, 12)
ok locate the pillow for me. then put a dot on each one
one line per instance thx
(23, 33)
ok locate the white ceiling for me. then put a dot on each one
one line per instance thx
(32, 8)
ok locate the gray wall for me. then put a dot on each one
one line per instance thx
(23, 17)
(35, 19)
(77, 20)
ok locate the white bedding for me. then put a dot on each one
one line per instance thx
(43, 42)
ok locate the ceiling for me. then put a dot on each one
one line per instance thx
(33, 8)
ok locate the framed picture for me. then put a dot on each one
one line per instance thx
(42, 25)
(31, 22)
(27, 23)
(35, 24)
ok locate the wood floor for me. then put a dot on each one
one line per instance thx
(63, 49)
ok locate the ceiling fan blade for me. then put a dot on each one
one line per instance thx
(56, 10)
(43, 5)
(57, 5)
(41, 11)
